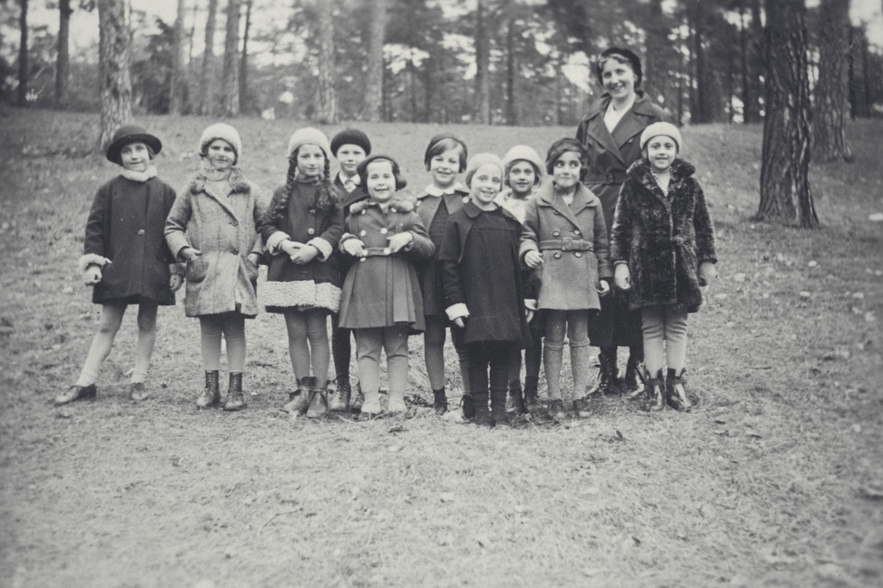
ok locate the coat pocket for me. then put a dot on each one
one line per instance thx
(197, 270)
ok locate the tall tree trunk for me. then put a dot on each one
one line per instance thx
(850, 75)
(658, 49)
(866, 74)
(511, 110)
(428, 89)
(372, 106)
(63, 62)
(731, 74)
(178, 79)
(230, 77)
(114, 50)
(748, 107)
(703, 114)
(829, 125)
(207, 76)
(23, 54)
(243, 67)
(785, 194)
(412, 82)
(327, 96)
(482, 62)
(755, 65)
(190, 38)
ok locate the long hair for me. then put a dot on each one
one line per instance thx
(325, 199)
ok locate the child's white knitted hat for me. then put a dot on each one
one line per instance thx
(661, 128)
(479, 160)
(224, 132)
(523, 153)
(308, 136)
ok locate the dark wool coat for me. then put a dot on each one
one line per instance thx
(573, 241)
(383, 290)
(125, 225)
(221, 223)
(663, 239)
(482, 275)
(611, 154)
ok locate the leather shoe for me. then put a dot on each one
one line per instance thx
(76, 393)
(138, 392)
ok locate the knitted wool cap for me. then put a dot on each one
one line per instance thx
(437, 139)
(479, 160)
(661, 128)
(362, 170)
(562, 146)
(308, 136)
(626, 54)
(224, 132)
(350, 137)
(523, 153)
(131, 134)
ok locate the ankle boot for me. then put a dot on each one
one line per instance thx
(632, 384)
(299, 400)
(654, 392)
(358, 399)
(482, 414)
(498, 406)
(211, 395)
(516, 398)
(235, 397)
(318, 407)
(340, 400)
(440, 401)
(467, 404)
(607, 373)
(675, 392)
(531, 383)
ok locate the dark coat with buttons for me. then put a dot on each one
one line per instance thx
(575, 252)
(221, 223)
(125, 225)
(663, 239)
(611, 154)
(383, 290)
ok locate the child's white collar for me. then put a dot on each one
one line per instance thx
(434, 190)
(137, 176)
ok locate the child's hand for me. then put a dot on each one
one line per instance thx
(290, 248)
(354, 247)
(400, 241)
(622, 277)
(304, 255)
(707, 273)
(92, 275)
(533, 259)
(175, 283)
(253, 258)
(459, 322)
(189, 253)
(529, 314)
(604, 290)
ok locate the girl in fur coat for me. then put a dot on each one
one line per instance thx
(212, 227)
(663, 250)
(126, 260)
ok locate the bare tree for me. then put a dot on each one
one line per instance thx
(113, 58)
(23, 54)
(230, 78)
(207, 76)
(371, 110)
(243, 65)
(63, 61)
(511, 74)
(482, 63)
(327, 97)
(829, 113)
(178, 82)
(785, 194)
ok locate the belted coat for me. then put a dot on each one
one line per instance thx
(573, 241)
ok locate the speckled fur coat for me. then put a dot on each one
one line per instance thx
(663, 239)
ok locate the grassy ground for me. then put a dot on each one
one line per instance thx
(775, 480)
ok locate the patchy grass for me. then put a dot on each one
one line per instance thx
(774, 480)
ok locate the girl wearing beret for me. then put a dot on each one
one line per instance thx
(213, 228)
(126, 260)
(302, 227)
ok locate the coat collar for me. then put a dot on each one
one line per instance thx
(235, 184)
(640, 172)
(139, 177)
(396, 205)
(632, 122)
(433, 190)
(583, 198)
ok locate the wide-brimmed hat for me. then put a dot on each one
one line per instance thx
(131, 134)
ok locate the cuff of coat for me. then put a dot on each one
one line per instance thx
(530, 304)
(322, 245)
(345, 237)
(525, 247)
(275, 240)
(90, 259)
(708, 260)
(620, 262)
(456, 311)
(178, 269)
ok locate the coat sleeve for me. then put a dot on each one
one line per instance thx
(260, 210)
(421, 247)
(705, 250)
(96, 227)
(602, 246)
(621, 233)
(452, 279)
(330, 237)
(176, 223)
(531, 229)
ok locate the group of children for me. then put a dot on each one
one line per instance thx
(507, 262)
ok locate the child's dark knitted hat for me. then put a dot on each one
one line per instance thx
(562, 146)
(350, 137)
(438, 139)
(634, 62)
(131, 134)
(362, 170)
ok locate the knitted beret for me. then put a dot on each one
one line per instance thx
(626, 54)
(224, 132)
(438, 139)
(479, 160)
(562, 146)
(131, 134)
(308, 136)
(523, 153)
(362, 170)
(350, 137)
(661, 128)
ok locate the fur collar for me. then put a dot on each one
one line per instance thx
(640, 172)
(237, 181)
(396, 205)
(139, 177)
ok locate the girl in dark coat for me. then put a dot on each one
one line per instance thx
(610, 132)
(302, 228)
(484, 288)
(126, 259)
(663, 249)
(381, 299)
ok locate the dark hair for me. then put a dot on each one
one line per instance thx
(446, 144)
(150, 152)
(621, 55)
(325, 199)
(537, 172)
(362, 170)
(562, 146)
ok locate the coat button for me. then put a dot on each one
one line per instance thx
(578, 254)
(140, 232)
(234, 223)
(312, 211)
(556, 233)
(576, 232)
(234, 251)
(363, 232)
(362, 258)
(311, 231)
(383, 231)
(387, 250)
(558, 255)
(465, 199)
(364, 211)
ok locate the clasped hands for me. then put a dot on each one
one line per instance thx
(397, 242)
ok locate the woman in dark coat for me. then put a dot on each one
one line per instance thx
(610, 133)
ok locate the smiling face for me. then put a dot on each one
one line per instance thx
(661, 152)
(618, 79)
(522, 178)
(135, 157)
(380, 180)
(486, 184)
(565, 172)
(221, 154)
(310, 160)
(444, 167)
(349, 157)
